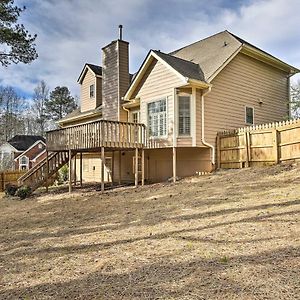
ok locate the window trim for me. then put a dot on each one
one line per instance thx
(249, 106)
(182, 94)
(21, 164)
(167, 119)
(94, 96)
(136, 111)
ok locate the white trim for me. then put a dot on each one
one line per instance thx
(27, 164)
(194, 116)
(83, 73)
(33, 145)
(249, 106)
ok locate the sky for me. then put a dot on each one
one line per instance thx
(72, 32)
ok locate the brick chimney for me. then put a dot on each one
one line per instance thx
(115, 80)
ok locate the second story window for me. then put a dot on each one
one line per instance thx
(157, 118)
(184, 115)
(92, 91)
(249, 115)
(135, 117)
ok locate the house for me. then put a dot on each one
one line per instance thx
(162, 122)
(22, 152)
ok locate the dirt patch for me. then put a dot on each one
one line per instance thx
(229, 235)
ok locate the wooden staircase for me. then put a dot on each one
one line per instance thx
(44, 170)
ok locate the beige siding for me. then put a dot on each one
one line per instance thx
(158, 83)
(245, 81)
(87, 103)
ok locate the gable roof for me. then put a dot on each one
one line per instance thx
(23, 142)
(97, 70)
(187, 71)
(182, 66)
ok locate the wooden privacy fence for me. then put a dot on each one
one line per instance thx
(259, 145)
(9, 177)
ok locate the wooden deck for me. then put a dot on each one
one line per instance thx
(93, 136)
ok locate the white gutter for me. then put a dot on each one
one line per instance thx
(202, 128)
(127, 112)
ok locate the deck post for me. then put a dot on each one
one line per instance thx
(102, 168)
(74, 174)
(47, 172)
(174, 164)
(80, 166)
(136, 175)
(70, 171)
(143, 166)
(112, 168)
(120, 169)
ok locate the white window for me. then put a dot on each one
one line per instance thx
(40, 146)
(24, 163)
(184, 115)
(157, 118)
(249, 115)
(135, 117)
(92, 91)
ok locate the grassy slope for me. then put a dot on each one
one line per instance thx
(230, 235)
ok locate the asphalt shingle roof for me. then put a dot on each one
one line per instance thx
(23, 142)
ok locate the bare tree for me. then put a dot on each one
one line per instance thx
(295, 100)
(40, 97)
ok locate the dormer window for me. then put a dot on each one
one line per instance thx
(92, 91)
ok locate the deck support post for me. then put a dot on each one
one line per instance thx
(174, 164)
(143, 166)
(47, 171)
(70, 171)
(74, 174)
(120, 169)
(136, 175)
(102, 168)
(80, 167)
(112, 168)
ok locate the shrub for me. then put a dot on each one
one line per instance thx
(10, 189)
(63, 174)
(23, 192)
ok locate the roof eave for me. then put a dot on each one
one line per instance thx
(198, 83)
(80, 117)
(266, 58)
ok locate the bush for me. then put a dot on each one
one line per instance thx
(23, 192)
(10, 189)
(63, 174)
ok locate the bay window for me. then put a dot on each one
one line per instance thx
(184, 115)
(157, 118)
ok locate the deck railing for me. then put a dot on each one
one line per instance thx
(97, 134)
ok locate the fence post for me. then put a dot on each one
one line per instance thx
(218, 151)
(275, 145)
(246, 149)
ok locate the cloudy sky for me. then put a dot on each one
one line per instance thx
(72, 32)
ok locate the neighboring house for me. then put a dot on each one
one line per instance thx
(22, 152)
(184, 98)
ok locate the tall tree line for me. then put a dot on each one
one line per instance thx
(33, 116)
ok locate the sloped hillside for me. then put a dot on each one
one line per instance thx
(230, 235)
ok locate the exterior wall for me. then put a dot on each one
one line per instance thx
(115, 79)
(87, 103)
(158, 83)
(7, 156)
(190, 161)
(245, 81)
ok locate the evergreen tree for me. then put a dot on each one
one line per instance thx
(60, 103)
(16, 44)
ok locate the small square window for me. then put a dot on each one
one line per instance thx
(249, 117)
(92, 91)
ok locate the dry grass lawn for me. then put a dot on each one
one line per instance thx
(229, 235)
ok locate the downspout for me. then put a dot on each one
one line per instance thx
(202, 128)
(128, 111)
